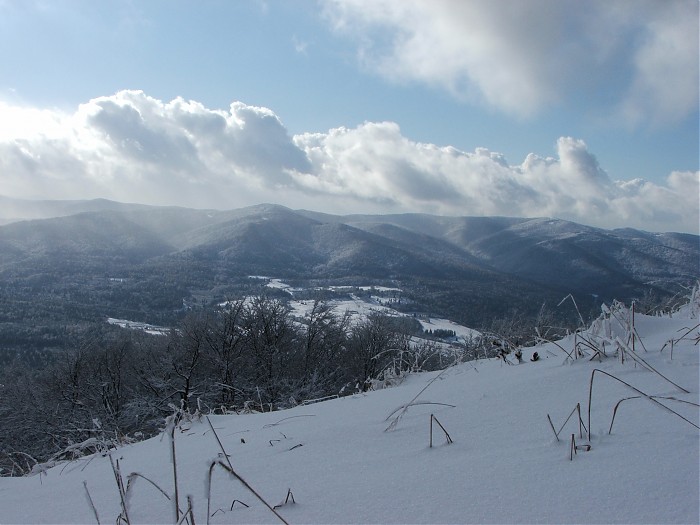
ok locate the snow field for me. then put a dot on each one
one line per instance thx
(505, 465)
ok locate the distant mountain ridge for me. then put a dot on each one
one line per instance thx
(470, 268)
(553, 251)
(527, 248)
(14, 210)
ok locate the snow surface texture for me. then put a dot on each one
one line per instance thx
(504, 466)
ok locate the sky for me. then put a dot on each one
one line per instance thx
(586, 111)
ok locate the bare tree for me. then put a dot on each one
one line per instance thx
(226, 341)
(323, 338)
(270, 338)
(187, 348)
(374, 343)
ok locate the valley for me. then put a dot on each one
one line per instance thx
(84, 261)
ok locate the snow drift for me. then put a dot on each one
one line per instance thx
(350, 460)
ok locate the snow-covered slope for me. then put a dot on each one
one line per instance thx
(504, 465)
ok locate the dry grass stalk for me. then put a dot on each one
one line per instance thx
(581, 425)
(396, 420)
(124, 516)
(230, 470)
(541, 339)
(447, 435)
(92, 503)
(572, 449)
(633, 332)
(580, 422)
(617, 405)
(419, 403)
(552, 425)
(286, 500)
(191, 509)
(641, 341)
(575, 306)
(188, 515)
(582, 341)
(647, 396)
(131, 481)
(173, 457)
(251, 489)
(643, 363)
(211, 470)
(286, 418)
(671, 342)
(688, 330)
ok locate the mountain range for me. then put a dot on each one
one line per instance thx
(82, 260)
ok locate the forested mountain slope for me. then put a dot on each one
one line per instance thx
(152, 263)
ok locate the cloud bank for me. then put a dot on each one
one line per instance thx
(135, 148)
(522, 57)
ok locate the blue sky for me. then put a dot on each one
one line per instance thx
(377, 105)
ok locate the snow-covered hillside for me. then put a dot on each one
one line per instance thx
(359, 308)
(350, 460)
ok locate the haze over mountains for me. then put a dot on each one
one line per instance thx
(547, 251)
(83, 260)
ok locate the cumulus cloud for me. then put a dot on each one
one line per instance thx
(135, 148)
(375, 163)
(521, 57)
(132, 146)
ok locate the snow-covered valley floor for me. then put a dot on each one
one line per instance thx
(504, 465)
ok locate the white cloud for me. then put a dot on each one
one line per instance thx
(130, 146)
(375, 164)
(135, 148)
(665, 87)
(522, 56)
